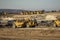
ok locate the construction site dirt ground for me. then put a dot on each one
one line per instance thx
(47, 33)
(30, 34)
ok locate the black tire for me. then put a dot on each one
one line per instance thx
(55, 25)
(33, 26)
(24, 26)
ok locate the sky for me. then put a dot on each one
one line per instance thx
(30, 4)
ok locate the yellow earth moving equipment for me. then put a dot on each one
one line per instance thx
(26, 22)
(57, 23)
(19, 23)
(31, 23)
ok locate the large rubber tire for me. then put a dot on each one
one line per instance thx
(24, 26)
(33, 26)
(55, 25)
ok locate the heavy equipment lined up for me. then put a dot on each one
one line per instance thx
(49, 21)
(29, 19)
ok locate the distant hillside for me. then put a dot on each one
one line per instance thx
(11, 10)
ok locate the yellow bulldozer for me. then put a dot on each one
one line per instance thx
(26, 22)
(57, 22)
(19, 23)
(31, 23)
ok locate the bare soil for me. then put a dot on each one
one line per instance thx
(30, 34)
